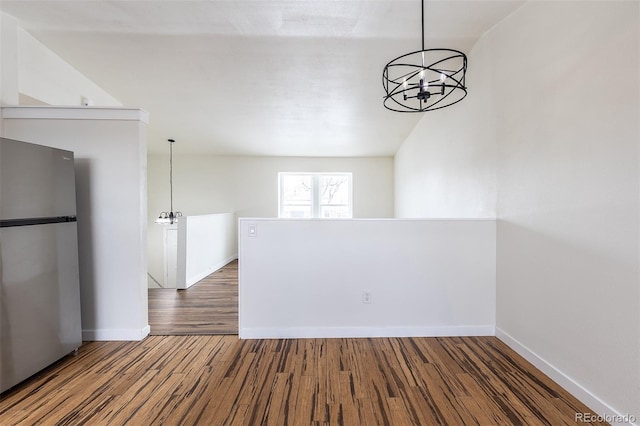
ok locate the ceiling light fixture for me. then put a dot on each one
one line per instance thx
(169, 218)
(425, 80)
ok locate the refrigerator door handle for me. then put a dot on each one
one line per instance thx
(8, 223)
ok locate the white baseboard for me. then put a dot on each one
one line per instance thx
(115, 334)
(584, 395)
(192, 280)
(339, 332)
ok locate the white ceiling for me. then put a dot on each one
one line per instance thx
(262, 77)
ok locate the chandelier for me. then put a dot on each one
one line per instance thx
(169, 217)
(425, 80)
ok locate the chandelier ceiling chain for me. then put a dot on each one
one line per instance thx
(169, 218)
(425, 80)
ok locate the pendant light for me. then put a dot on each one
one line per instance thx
(425, 80)
(169, 218)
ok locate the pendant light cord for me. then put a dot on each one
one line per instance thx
(422, 10)
(169, 217)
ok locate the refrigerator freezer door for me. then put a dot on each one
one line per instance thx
(35, 181)
(39, 298)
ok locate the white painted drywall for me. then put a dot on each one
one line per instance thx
(30, 70)
(8, 60)
(568, 192)
(205, 244)
(110, 158)
(558, 83)
(170, 239)
(249, 187)
(44, 76)
(305, 278)
(446, 167)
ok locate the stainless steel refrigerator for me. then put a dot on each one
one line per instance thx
(40, 292)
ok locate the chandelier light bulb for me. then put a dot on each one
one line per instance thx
(443, 77)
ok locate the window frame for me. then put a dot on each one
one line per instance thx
(316, 195)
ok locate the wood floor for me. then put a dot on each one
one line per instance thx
(208, 307)
(220, 380)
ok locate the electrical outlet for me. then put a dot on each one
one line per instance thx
(367, 296)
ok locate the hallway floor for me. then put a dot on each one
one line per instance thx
(208, 307)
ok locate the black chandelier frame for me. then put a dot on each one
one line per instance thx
(425, 80)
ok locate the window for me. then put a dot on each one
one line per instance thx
(315, 195)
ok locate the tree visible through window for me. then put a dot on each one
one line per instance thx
(315, 195)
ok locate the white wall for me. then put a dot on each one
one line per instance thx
(110, 159)
(30, 70)
(8, 60)
(568, 182)
(205, 244)
(44, 76)
(305, 278)
(558, 84)
(446, 167)
(249, 187)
